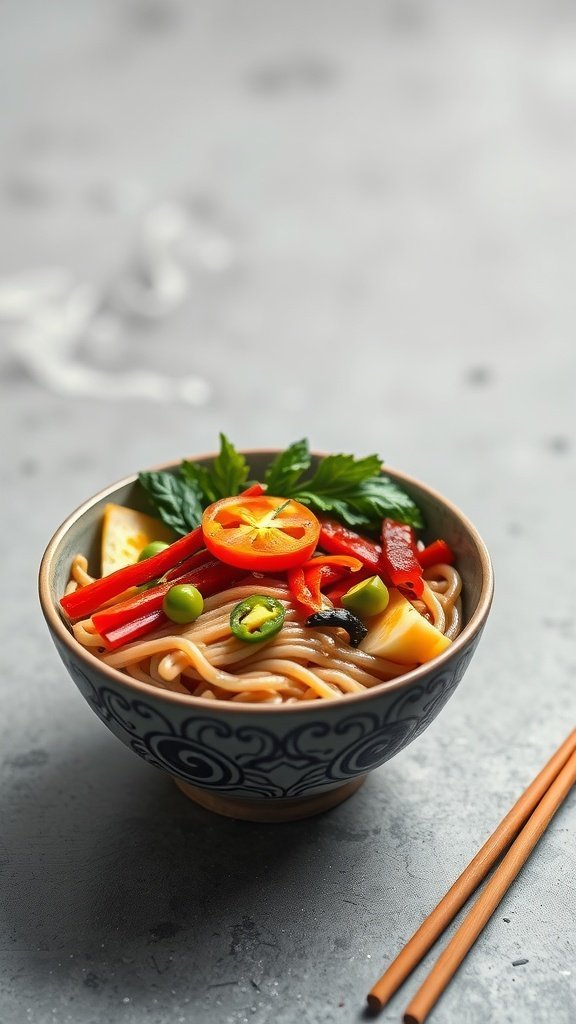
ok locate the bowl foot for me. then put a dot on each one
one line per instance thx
(284, 809)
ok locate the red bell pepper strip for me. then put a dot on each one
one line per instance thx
(87, 599)
(133, 630)
(207, 578)
(254, 491)
(194, 562)
(436, 552)
(306, 581)
(400, 557)
(334, 562)
(299, 589)
(339, 540)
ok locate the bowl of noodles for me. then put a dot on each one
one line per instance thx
(291, 725)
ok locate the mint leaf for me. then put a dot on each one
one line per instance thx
(176, 501)
(229, 471)
(286, 469)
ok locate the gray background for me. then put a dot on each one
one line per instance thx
(354, 221)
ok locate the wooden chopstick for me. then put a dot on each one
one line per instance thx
(477, 918)
(426, 935)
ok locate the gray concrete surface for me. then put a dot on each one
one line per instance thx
(355, 221)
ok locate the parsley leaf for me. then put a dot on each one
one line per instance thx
(368, 503)
(380, 497)
(338, 474)
(177, 502)
(287, 468)
(365, 504)
(351, 489)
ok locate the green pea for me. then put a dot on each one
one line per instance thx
(183, 603)
(367, 598)
(152, 549)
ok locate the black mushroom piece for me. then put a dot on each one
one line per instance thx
(344, 619)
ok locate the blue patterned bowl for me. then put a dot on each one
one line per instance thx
(261, 762)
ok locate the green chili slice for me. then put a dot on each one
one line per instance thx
(257, 618)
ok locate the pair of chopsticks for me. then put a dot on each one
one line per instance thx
(522, 827)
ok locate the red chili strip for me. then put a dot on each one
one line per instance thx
(207, 578)
(254, 491)
(200, 558)
(299, 589)
(307, 580)
(336, 592)
(130, 631)
(436, 552)
(400, 557)
(339, 540)
(334, 561)
(86, 600)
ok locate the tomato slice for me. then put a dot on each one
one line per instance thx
(263, 533)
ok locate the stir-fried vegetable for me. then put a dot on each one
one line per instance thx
(208, 576)
(401, 634)
(367, 598)
(306, 581)
(152, 549)
(88, 599)
(351, 490)
(125, 532)
(183, 603)
(260, 533)
(436, 552)
(264, 533)
(257, 618)
(399, 559)
(343, 619)
(340, 540)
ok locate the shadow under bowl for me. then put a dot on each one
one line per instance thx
(262, 762)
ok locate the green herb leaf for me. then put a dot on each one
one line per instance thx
(380, 497)
(200, 479)
(179, 499)
(178, 502)
(229, 471)
(354, 491)
(332, 506)
(337, 474)
(287, 468)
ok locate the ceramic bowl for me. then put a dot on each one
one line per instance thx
(258, 762)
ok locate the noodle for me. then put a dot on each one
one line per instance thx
(435, 608)
(297, 664)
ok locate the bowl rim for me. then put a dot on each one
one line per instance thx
(58, 627)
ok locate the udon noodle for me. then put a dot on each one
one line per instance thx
(298, 664)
